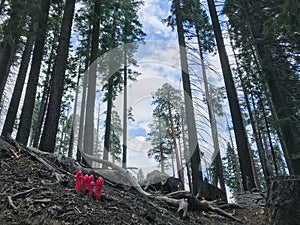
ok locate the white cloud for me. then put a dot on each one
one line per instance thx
(151, 14)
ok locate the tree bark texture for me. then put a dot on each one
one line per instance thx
(283, 200)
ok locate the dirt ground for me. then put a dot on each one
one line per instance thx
(30, 194)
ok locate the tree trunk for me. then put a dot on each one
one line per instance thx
(10, 43)
(57, 81)
(253, 121)
(28, 105)
(74, 119)
(108, 118)
(212, 119)
(125, 111)
(179, 167)
(83, 99)
(111, 75)
(17, 93)
(82, 118)
(162, 162)
(194, 149)
(281, 83)
(238, 126)
(185, 150)
(88, 143)
(44, 101)
(283, 200)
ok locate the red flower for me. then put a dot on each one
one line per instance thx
(99, 185)
(91, 188)
(91, 178)
(78, 180)
(85, 183)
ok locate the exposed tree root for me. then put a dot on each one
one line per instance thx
(182, 204)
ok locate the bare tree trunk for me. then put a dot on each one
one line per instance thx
(28, 105)
(238, 126)
(162, 161)
(179, 169)
(125, 113)
(185, 151)
(44, 101)
(17, 93)
(111, 76)
(213, 122)
(57, 80)
(88, 144)
(10, 44)
(74, 119)
(83, 100)
(194, 149)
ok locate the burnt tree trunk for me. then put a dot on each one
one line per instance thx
(283, 200)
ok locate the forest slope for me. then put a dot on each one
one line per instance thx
(31, 194)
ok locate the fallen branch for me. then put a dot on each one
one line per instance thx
(11, 203)
(123, 171)
(182, 204)
(12, 141)
(23, 192)
(212, 208)
(56, 172)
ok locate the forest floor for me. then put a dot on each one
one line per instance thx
(31, 194)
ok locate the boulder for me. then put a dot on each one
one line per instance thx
(158, 181)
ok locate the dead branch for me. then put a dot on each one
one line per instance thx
(11, 203)
(56, 172)
(121, 170)
(182, 204)
(231, 206)
(23, 192)
(12, 141)
(45, 200)
(212, 208)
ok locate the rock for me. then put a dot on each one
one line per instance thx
(158, 181)
(284, 200)
(210, 192)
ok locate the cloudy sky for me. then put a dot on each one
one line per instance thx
(159, 63)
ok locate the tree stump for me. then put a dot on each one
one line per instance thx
(284, 200)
